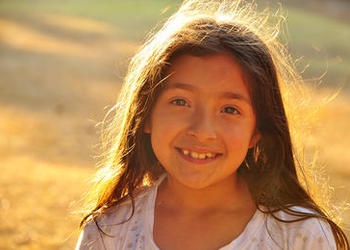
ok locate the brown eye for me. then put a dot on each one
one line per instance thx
(231, 110)
(179, 102)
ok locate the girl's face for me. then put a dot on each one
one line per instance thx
(203, 122)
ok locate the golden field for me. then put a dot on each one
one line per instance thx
(59, 74)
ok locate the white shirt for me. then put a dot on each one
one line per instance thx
(122, 232)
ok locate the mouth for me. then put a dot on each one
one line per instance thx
(198, 156)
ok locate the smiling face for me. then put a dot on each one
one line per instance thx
(203, 122)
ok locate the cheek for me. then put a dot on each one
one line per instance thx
(166, 120)
(238, 135)
(163, 123)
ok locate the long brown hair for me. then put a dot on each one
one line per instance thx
(201, 28)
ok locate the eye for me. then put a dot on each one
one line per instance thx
(179, 102)
(231, 110)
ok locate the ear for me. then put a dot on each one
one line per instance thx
(255, 139)
(147, 127)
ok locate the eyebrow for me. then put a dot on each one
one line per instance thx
(236, 96)
(191, 88)
(179, 85)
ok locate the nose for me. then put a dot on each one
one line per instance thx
(202, 125)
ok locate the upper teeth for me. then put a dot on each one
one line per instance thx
(197, 155)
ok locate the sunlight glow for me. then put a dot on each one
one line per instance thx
(23, 37)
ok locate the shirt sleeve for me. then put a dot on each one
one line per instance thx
(313, 234)
(90, 238)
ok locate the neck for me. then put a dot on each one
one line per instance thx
(230, 194)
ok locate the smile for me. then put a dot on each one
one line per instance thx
(198, 155)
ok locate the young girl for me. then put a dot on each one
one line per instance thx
(200, 155)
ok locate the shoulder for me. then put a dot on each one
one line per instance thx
(110, 227)
(297, 233)
(89, 237)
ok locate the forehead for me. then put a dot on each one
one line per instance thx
(217, 72)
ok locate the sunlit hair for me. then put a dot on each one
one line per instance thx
(202, 28)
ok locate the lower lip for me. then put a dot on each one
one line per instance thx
(197, 161)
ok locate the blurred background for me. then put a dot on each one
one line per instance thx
(61, 67)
